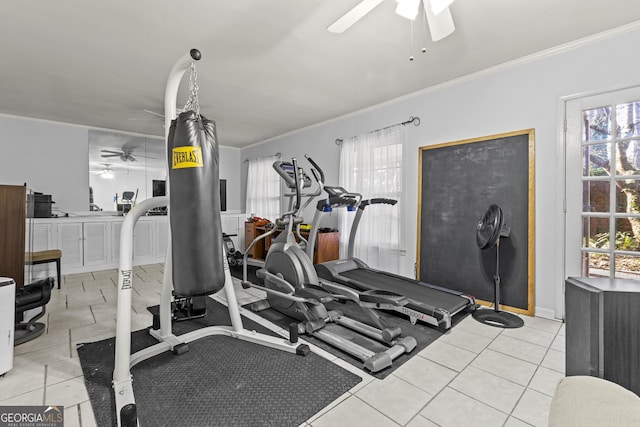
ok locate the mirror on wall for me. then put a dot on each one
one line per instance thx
(123, 167)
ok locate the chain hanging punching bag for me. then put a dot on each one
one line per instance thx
(194, 206)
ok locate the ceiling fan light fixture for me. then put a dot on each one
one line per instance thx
(107, 174)
(408, 8)
(438, 6)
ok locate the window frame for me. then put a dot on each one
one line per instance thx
(577, 250)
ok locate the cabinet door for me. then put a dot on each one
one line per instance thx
(230, 226)
(162, 234)
(116, 227)
(143, 241)
(249, 234)
(70, 241)
(95, 243)
(327, 247)
(38, 237)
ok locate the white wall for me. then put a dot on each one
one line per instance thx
(52, 158)
(230, 170)
(522, 95)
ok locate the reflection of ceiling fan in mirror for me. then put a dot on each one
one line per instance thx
(437, 13)
(105, 172)
(124, 155)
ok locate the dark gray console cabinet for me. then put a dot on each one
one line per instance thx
(603, 329)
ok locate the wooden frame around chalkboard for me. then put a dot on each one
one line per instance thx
(491, 169)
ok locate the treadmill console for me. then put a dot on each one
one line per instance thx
(339, 192)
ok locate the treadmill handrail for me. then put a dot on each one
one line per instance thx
(377, 201)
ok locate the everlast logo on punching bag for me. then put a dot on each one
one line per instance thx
(186, 157)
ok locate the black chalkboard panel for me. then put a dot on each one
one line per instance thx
(458, 182)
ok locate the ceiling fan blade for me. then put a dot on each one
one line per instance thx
(438, 6)
(111, 152)
(440, 25)
(353, 16)
(110, 155)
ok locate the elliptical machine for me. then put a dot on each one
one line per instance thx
(293, 289)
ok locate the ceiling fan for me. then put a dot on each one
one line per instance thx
(437, 13)
(124, 155)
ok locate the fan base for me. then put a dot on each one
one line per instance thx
(499, 319)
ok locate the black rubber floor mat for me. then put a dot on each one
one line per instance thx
(220, 381)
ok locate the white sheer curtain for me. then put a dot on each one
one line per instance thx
(371, 165)
(263, 188)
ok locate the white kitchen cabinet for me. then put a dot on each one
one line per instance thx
(92, 243)
(143, 249)
(145, 241)
(95, 243)
(82, 244)
(38, 236)
(162, 234)
(233, 225)
(70, 241)
(116, 228)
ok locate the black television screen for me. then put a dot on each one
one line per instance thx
(223, 195)
(159, 188)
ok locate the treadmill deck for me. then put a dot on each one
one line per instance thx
(420, 295)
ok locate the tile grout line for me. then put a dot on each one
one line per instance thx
(509, 355)
(534, 374)
(80, 414)
(381, 413)
(454, 377)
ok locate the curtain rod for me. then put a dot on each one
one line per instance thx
(414, 120)
(277, 155)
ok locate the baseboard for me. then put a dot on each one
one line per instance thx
(546, 313)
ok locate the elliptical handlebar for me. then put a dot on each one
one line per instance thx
(316, 167)
(297, 179)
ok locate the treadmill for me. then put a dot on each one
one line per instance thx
(428, 303)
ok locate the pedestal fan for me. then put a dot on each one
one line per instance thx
(491, 228)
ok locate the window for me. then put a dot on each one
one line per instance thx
(371, 165)
(263, 188)
(609, 152)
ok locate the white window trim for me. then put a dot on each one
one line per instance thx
(571, 169)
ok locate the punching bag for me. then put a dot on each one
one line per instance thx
(194, 206)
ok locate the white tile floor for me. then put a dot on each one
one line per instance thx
(475, 374)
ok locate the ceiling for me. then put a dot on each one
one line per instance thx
(268, 67)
